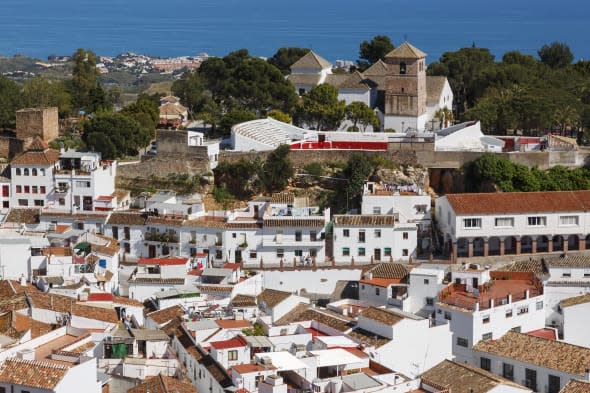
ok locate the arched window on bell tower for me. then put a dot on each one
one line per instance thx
(402, 68)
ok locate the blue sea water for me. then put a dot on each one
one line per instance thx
(333, 28)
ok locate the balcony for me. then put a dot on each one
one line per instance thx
(62, 189)
(161, 237)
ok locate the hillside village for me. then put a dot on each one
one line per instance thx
(103, 290)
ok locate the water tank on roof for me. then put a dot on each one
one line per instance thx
(102, 263)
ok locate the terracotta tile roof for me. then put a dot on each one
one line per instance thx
(557, 355)
(381, 282)
(216, 371)
(568, 260)
(575, 386)
(369, 339)
(166, 314)
(100, 297)
(23, 215)
(546, 333)
(163, 384)
(246, 368)
(219, 222)
(363, 220)
(165, 220)
(356, 81)
(294, 222)
(283, 197)
(127, 301)
(272, 297)
(386, 317)
(537, 266)
(32, 373)
(233, 323)
(106, 250)
(390, 270)
(14, 303)
(63, 304)
(406, 51)
(187, 343)
(163, 261)
(313, 61)
(23, 323)
(13, 287)
(96, 216)
(154, 280)
(434, 88)
(120, 218)
(304, 79)
(243, 301)
(235, 342)
(519, 202)
(336, 80)
(304, 313)
(463, 378)
(379, 68)
(212, 288)
(38, 158)
(38, 144)
(573, 301)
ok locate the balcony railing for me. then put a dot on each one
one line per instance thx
(161, 237)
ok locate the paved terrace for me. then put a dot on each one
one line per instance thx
(503, 288)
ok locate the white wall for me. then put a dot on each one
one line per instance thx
(320, 281)
(576, 320)
(413, 122)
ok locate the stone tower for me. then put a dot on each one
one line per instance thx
(405, 91)
(41, 122)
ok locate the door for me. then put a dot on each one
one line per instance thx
(377, 254)
(238, 256)
(475, 283)
(152, 251)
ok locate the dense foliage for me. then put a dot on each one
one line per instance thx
(320, 108)
(372, 51)
(284, 58)
(491, 173)
(115, 135)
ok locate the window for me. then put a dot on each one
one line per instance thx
(485, 319)
(448, 316)
(218, 254)
(19, 189)
(504, 222)
(430, 301)
(42, 189)
(508, 371)
(42, 171)
(530, 379)
(539, 305)
(34, 189)
(345, 251)
(402, 68)
(346, 232)
(234, 235)
(115, 233)
(298, 236)
(509, 313)
(82, 184)
(361, 251)
(516, 329)
(448, 218)
(485, 363)
(522, 310)
(426, 281)
(377, 292)
(232, 355)
(387, 251)
(587, 273)
(486, 336)
(405, 252)
(23, 202)
(18, 171)
(39, 202)
(313, 252)
(472, 223)
(568, 220)
(253, 254)
(280, 252)
(313, 236)
(405, 235)
(298, 253)
(62, 201)
(377, 233)
(566, 273)
(462, 342)
(34, 172)
(127, 247)
(537, 221)
(554, 384)
(363, 287)
(27, 189)
(361, 236)
(376, 210)
(26, 172)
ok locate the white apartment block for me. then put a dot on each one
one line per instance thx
(514, 223)
(67, 180)
(481, 305)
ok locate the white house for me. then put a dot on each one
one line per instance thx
(385, 285)
(230, 352)
(540, 364)
(466, 137)
(276, 304)
(426, 281)
(488, 224)
(482, 305)
(576, 319)
(15, 256)
(402, 341)
(309, 71)
(157, 274)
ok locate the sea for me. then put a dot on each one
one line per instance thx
(332, 28)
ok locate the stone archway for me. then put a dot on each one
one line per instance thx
(510, 245)
(542, 244)
(478, 247)
(462, 247)
(526, 245)
(573, 242)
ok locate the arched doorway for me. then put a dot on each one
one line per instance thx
(557, 243)
(494, 246)
(573, 242)
(510, 245)
(526, 245)
(542, 244)
(462, 247)
(478, 247)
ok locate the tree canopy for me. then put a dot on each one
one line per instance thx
(360, 114)
(320, 108)
(284, 58)
(556, 55)
(115, 135)
(10, 101)
(277, 170)
(372, 51)
(87, 93)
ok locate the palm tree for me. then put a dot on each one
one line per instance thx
(445, 116)
(566, 116)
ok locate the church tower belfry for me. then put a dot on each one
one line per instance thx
(405, 93)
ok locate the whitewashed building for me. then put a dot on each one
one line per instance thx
(481, 305)
(157, 274)
(540, 364)
(576, 319)
(309, 71)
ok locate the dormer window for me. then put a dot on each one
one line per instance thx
(402, 68)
